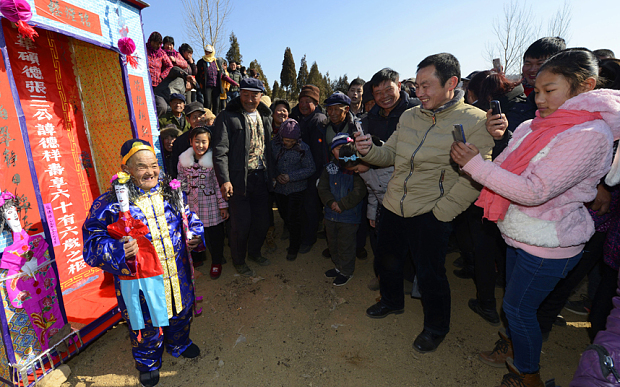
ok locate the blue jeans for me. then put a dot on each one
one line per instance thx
(529, 280)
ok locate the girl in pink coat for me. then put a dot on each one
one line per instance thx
(536, 190)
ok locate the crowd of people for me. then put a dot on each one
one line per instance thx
(517, 173)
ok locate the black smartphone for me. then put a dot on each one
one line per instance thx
(458, 133)
(496, 107)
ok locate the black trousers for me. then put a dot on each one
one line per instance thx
(214, 237)
(249, 217)
(602, 303)
(489, 258)
(211, 97)
(291, 208)
(426, 238)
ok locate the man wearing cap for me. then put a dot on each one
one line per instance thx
(154, 203)
(175, 116)
(308, 113)
(241, 149)
(319, 139)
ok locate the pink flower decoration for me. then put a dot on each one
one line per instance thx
(175, 184)
(16, 10)
(114, 178)
(126, 46)
(6, 195)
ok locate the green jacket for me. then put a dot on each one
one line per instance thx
(168, 119)
(425, 178)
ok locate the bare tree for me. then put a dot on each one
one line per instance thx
(205, 21)
(515, 30)
(559, 25)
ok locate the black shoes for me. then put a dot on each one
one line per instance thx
(427, 342)
(361, 253)
(341, 280)
(191, 352)
(332, 273)
(326, 253)
(379, 310)
(149, 378)
(488, 314)
(304, 249)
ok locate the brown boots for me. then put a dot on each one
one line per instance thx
(517, 379)
(502, 351)
(501, 356)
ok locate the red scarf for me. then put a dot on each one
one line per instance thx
(543, 131)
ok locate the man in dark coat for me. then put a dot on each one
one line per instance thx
(390, 103)
(241, 158)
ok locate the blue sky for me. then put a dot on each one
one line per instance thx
(360, 37)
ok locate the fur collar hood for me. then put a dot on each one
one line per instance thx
(187, 159)
(606, 102)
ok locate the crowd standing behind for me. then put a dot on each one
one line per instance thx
(403, 162)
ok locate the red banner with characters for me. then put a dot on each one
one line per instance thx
(64, 12)
(50, 100)
(140, 108)
(14, 171)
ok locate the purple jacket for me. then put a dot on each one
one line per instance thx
(590, 373)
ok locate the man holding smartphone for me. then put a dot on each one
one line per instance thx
(424, 194)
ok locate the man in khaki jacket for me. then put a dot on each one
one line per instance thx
(426, 192)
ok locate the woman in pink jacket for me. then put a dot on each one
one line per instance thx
(536, 190)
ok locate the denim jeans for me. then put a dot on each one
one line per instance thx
(426, 239)
(529, 280)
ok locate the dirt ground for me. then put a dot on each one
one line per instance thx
(289, 326)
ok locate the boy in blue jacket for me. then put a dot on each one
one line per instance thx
(342, 191)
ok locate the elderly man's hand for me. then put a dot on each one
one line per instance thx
(194, 242)
(496, 124)
(461, 153)
(130, 246)
(227, 190)
(283, 179)
(363, 143)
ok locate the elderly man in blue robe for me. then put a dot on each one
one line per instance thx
(173, 231)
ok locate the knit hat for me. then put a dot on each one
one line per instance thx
(290, 129)
(338, 98)
(208, 48)
(340, 139)
(251, 84)
(310, 91)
